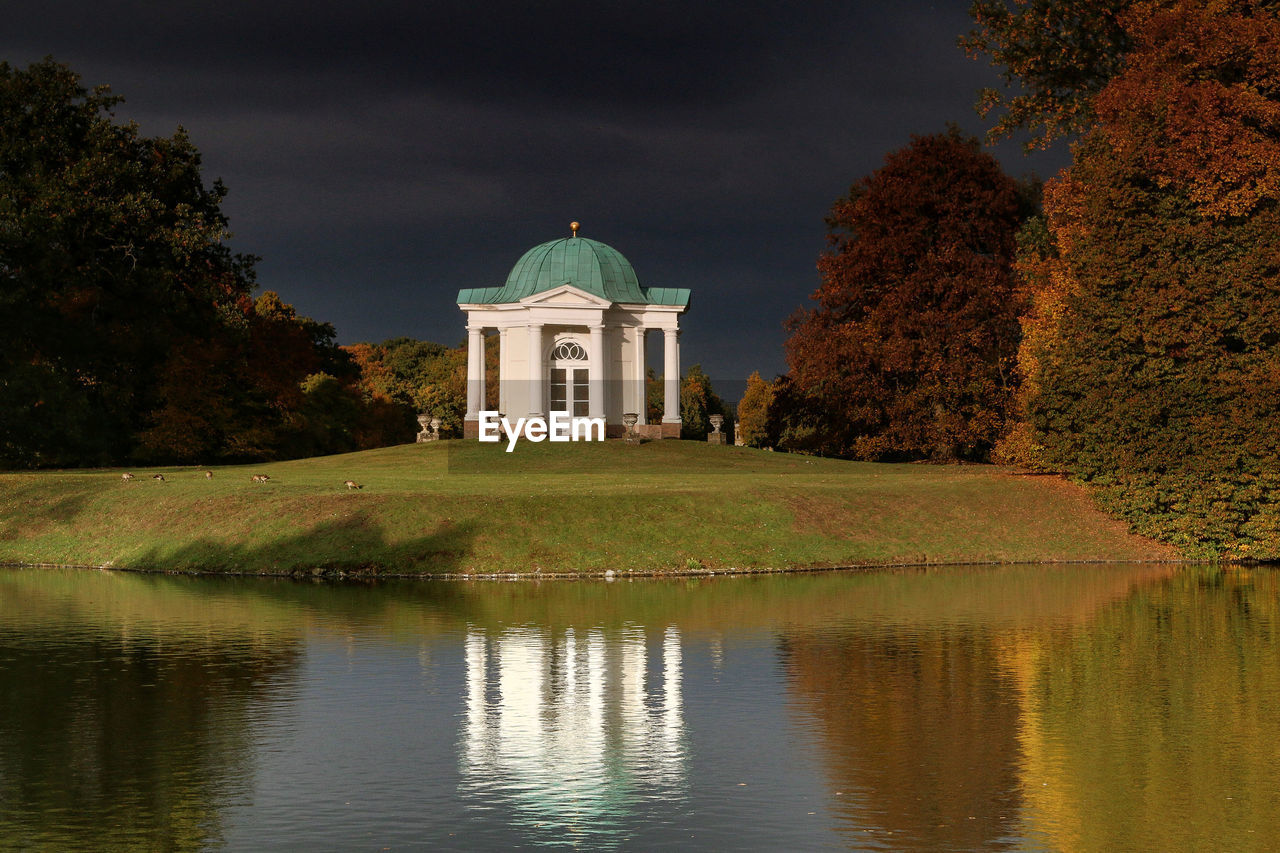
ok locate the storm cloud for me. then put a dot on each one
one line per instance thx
(382, 155)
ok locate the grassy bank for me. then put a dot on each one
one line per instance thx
(463, 507)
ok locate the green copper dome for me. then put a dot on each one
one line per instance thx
(586, 264)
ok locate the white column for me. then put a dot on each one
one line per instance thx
(536, 397)
(671, 377)
(641, 397)
(475, 372)
(595, 371)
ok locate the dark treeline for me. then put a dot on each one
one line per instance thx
(129, 332)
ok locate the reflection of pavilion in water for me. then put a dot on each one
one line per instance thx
(571, 725)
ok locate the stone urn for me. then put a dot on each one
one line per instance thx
(629, 420)
(428, 428)
(716, 436)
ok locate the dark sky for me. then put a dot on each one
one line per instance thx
(381, 154)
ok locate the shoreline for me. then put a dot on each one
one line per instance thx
(606, 575)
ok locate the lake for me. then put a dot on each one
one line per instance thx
(1118, 707)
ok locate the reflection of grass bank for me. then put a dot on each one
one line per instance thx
(466, 507)
(275, 612)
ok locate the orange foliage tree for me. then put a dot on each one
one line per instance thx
(1199, 101)
(425, 377)
(754, 421)
(1151, 364)
(1054, 55)
(909, 352)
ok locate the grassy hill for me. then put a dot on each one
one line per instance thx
(463, 507)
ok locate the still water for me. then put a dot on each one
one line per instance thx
(1023, 708)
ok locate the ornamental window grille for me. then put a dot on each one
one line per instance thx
(569, 351)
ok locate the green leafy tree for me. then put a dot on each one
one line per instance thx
(112, 256)
(1158, 377)
(654, 396)
(1054, 55)
(492, 372)
(1150, 360)
(326, 421)
(425, 377)
(909, 353)
(698, 402)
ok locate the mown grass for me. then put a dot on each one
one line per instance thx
(464, 507)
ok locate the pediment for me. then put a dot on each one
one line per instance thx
(566, 295)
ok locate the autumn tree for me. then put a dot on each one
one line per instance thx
(112, 257)
(263, 388)
(1151, 364)
(1199, 102)
(128, 330)
(698, 402)
(909, 352)
(282, 350)
(426, 377)
(202, 411)
(386, 419)
(1054, 56)
(753, 426)
(377, 380)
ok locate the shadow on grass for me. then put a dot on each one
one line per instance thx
(355, 545)
(39, 505)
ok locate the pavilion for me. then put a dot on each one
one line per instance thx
(572, 321)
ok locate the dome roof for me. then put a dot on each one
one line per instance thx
(584, 263)
(587, 264)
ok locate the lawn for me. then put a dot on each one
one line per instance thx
(459, 507)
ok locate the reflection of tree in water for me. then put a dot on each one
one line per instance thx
(1156, 729)
(919, 732)
(1148, 725)
(112, 741)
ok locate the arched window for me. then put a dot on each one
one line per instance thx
(569, 351)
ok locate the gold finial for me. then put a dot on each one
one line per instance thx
(573, 226)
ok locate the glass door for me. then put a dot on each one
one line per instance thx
(570, 380)
(571, 391)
